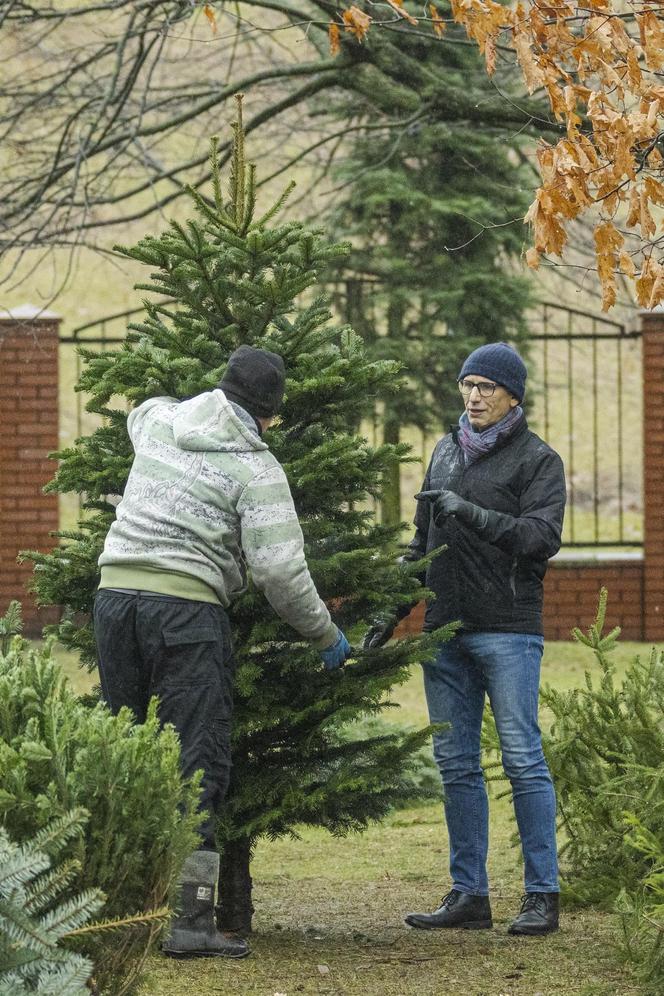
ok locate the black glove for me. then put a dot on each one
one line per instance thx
(383, 627)
(379, 633)
(449, 503)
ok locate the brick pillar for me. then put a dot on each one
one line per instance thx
(28, 432)
(652, 326)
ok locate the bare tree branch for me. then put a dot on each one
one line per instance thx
(106, 108)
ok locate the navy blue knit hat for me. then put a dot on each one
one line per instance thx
(500, 362)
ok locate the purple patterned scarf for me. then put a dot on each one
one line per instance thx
(478, 444)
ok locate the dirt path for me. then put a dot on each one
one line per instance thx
(329, 921)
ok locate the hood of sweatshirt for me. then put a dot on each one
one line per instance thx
(210, 423)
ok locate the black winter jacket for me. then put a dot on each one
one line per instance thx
(491, 579)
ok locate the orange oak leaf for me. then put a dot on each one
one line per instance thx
(646, 281)
(397, 5)
(608, 241)
(437, 21)
(490, 56)
(529, 66)
(634, 207)
(657, 289)
(607, 238)
(548, 234)
(652, 38)
(570, 97)
(334, 37)
(655, 190)
(626, 263)
(211, 16)
(646, 220)
(356, 21)
(533, 258)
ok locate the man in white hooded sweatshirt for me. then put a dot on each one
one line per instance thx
(203, 496)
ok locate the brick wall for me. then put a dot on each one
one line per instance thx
(29, 431)
(571, 591)
(653, 472)
(29, 414)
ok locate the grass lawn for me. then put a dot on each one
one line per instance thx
(329, 920)
(329, 911)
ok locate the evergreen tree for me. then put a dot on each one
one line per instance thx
(429, 277)
(59, 754)
(642, 909)
(36, 913)
(231, 277)
(605, 750)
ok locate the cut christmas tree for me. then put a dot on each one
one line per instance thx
(233, 276)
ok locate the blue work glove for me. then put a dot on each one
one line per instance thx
(449, 503)
(335, 655)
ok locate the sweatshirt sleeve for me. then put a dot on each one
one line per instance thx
(537, 530)
(273, 547)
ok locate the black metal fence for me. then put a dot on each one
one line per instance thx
(107, 333)
(585, 399)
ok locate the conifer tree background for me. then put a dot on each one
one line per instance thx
(38, 912)
(232, 276)
(136, 823)
(434, 211)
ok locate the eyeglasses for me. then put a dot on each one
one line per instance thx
(485, 388)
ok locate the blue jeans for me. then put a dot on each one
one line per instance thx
(507, 667)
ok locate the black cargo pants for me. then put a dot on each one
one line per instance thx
(180, 651)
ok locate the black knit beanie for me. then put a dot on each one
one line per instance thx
(500, 362)
(255, 379)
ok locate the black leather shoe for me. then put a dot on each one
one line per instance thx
(457, 909)
(538, 914)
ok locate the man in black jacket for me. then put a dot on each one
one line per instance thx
(494, 495)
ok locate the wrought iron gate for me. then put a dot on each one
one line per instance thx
(585, 398)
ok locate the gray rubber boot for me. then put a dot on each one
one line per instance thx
(193, 933)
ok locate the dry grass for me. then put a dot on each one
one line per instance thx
(329, 911)
(329, 920)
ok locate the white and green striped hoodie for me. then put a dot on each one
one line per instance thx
(203, 490)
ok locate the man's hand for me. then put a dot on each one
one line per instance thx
(379, 633)
(449, 503)
(338, 652)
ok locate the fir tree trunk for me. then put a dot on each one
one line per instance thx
(235, 909)
(391, 500)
